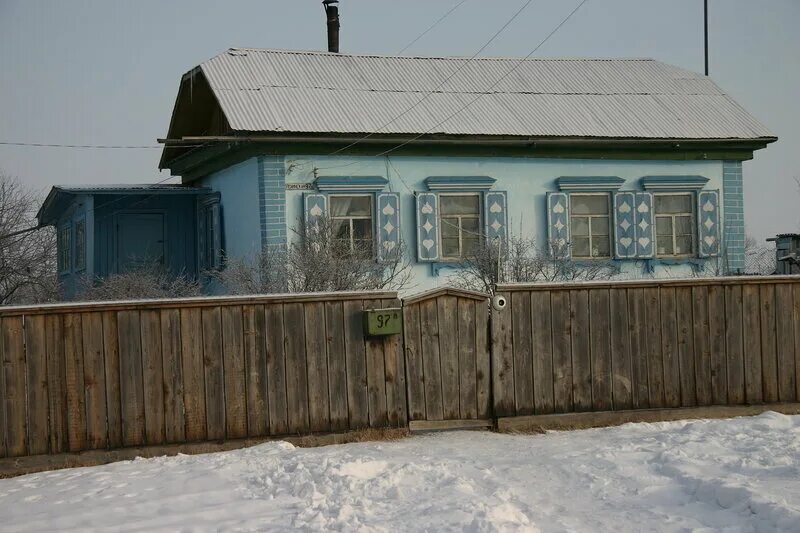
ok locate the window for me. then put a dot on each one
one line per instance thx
(80, 244)
(589, 224)
(64, 248)
(674, 224)
(351, 217)
(460, 216)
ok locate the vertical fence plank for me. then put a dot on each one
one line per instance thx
(214, 372)
(14, 367)
(317, 358)
(622, 387)
(562, 352)
(502, 357)
(152, 376)
(76, 401)
(395, 377)
(112, 367)
(521, 339)
(483, 378)
(655, 357)
(448, 333)
(234, 374)
(376, 384)
(467, 359)
(702, 344)
(94, 379)
(734, 344)
(669, 347)
(413, 356)
(174, 420)
(56, 384)
(3, 422)
(429, 335)
(751, 328)
(542, 351)
(769, 362)
(296, 374)
(640, 387)
(686, 359)
(194, 390)
(784, 331)
(581, 351)
(795, 310)
(355, 352)
(600, 333)
(255, 351)
(131, 387)
(276, 370)
(716, 346)
(337, 365)
(38, 404)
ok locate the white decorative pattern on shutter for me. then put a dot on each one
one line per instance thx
(643, 215)
(315, 207)
(558, 222)
(388, 229)
(427, 227)
(496, 209)
(708, 223)
(624, 225)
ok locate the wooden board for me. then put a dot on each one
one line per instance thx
(448, 353)
(702, 344)
(562, 351)
(56, 385)
(152, 376)
(784, 328)
(76, 401)
(234, 371)
(655, 357)
(38, 403)
(502, 357)
(769, 361)
(483, 373)
(15, 393)
(376, 385)
(395, 375)
(194, 390)
(94, 379)
(213, 372)
(751, 329)
(716, 346)
(581, 350)
(542, 351)
(413, 359)
(796, 322)
(468, 396)
(131, 387)
(174, 420)
(669, 347)
(600, 333)
(112, 368)
(734, 344)
(255, 354)
(622, 380)
(276, 370)
(296, 377)
(355, 355)
(429, 336)
(686, 359)
(640, 387)
(522, 341)
(317, 360)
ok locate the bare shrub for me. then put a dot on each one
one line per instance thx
(143, 283)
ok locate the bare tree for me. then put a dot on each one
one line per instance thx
(149, 281)
(27, 253)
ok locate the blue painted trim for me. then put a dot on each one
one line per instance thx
(438, 266)
(459, 183)
(670, 183)
(589, 183)
(272, 199)
(351, 183)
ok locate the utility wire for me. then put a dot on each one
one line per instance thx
(424, 33)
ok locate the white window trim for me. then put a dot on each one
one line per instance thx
(350, 219)
(441, 216)
(692, 233)
(607, 216)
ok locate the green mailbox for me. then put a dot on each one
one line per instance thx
(383, 321)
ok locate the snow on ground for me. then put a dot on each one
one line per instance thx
(733, 475)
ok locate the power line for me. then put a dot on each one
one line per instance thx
(424, 33)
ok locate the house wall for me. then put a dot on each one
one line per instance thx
(71, 278)
(525, 180)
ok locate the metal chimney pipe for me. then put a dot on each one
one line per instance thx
(332, 12)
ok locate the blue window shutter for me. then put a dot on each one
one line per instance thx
(708, 223)
(201, 237)
(558, 221)
(496, 209)
(427, 210)
(217, 232)
(624, 225)
(315, 207)
(643, 216)
(388, 229)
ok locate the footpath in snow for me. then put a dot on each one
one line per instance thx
(732, 475)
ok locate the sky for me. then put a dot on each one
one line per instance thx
(107, 71)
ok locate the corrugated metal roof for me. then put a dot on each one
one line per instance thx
(130, 187)
(318, 92)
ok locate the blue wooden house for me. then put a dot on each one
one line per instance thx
(626, 160)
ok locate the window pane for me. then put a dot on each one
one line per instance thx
(449, 227)
(601, 247)
(683, 225)
(450, 247)
(470, 227)
(580, 247)
(664, 226)
(341, 229)
(354, 206)
(362, 228)
(683, 245)
(579, 226)
(600, 226)
(460, 205)
(674, 203)
(589, 205)
(664, 246)
(470, 244)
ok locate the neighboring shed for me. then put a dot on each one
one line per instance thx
(109, 229)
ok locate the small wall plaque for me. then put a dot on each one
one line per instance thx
(378, 322)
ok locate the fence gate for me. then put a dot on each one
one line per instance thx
(447, 358)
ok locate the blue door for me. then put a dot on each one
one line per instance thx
(140, 240)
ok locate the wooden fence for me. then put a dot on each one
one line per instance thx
(107, 375)
(447, 355)
(646, 344)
